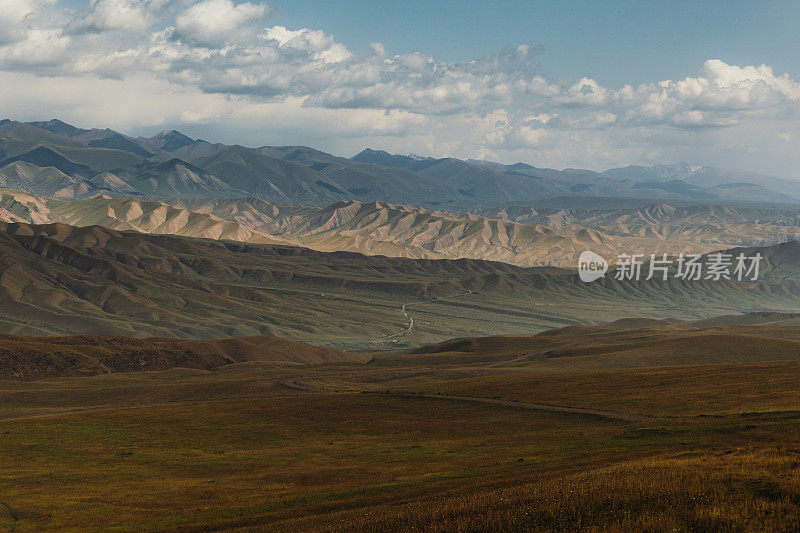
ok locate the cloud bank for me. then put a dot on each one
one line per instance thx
(218, 66)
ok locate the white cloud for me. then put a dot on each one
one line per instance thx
(19, 16)
(115, 15)
(378, 48)
(584, 92)
(315, 45)
(721, 96)
(213, 23)
(219, 62)
(39, 48)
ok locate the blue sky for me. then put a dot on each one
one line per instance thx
(614, 42)
(562, 84)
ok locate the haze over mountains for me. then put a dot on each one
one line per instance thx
(56, 159)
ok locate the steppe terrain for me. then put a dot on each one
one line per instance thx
(197, 336)
(479, 433)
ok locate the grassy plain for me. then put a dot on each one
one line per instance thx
(376, 447)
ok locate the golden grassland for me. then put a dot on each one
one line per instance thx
(667, 392)
(235, 447)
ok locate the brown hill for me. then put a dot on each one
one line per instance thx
(751, 319)
(126, 214)
(59, 279)
(659, 343)
(375, 228)
(26, 358)
(381, 228)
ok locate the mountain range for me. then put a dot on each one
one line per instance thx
(53, 158)
(169, 236)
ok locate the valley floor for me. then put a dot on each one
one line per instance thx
(440, 442)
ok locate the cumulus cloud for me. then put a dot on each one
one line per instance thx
(17, 17)
(313, 45)
(722, 95)
(39, 49)
(135, 16)
(213, 23)
(227, 62)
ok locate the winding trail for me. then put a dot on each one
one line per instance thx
(519, 359)
(410, 319)
(307, 388)
(526, 356)
(13, 514)
(602, 413)
(614, 415)
(405, 331)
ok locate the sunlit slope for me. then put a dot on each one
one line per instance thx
(376, 228)
(521, 237)
(709, 224)
(379, 228)
(153, 217)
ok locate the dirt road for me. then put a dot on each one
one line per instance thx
(614, 415)
(602, 413)
(405, 331)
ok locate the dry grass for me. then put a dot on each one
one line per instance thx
(753, 490)
(677, 392)
(265, 461)
(232, 448)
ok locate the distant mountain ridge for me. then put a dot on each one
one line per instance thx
(676, 181)
(103, 161)
(135, 166)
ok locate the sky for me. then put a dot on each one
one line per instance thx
(582, 84)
